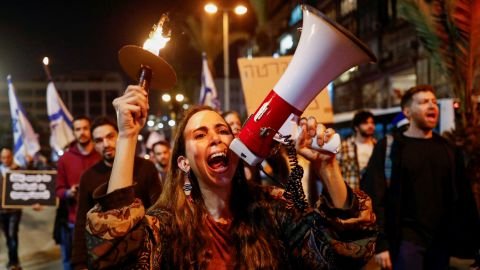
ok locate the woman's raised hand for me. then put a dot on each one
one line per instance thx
(131, 108)
(311, 130)
(324, 163)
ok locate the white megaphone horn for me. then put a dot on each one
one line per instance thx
(325, 51)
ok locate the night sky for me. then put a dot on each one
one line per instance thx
(80, 35)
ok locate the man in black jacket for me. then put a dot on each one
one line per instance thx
(418, 193)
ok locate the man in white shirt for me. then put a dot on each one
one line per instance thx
(357, 149)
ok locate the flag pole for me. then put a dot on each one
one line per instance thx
(61, 126)
(46, 61)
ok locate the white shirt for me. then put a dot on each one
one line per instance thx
(364, 151)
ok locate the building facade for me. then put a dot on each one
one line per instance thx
(83, 94)
(402, 62)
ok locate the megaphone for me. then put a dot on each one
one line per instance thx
(325, 51)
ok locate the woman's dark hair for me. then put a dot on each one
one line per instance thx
(257, 244)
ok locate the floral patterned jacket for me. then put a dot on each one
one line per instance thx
(120, 235)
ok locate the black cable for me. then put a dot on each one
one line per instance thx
(293, 189)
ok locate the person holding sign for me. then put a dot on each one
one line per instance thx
(10, 218)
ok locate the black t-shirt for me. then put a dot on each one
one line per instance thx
(426, 173)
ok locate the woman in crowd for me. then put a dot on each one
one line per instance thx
(210, 217)
(233, 120)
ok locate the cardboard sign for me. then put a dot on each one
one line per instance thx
(26, 187)
(259, 75)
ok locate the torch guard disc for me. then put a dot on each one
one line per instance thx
(131, 59)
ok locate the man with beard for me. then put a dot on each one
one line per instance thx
(421, 197)
(147, 186)
(161, 157)
(70, 167)
(356, 150)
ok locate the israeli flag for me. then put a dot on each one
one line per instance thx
(61, 127)
(208, 91)
(24, 137)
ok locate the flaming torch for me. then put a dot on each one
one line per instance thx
(145, 64)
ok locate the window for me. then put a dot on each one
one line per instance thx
(110, 95)
(95, 103)
(78, 102)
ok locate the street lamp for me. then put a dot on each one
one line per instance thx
(239, 10)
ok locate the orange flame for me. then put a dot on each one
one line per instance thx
(157, 38)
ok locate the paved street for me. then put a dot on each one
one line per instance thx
(37, 249)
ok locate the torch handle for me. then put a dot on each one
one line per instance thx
(145, 77)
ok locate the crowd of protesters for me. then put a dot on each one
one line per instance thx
(413, 180)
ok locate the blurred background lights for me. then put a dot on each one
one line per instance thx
(179, 97)
(166, 97)
(211, 8)
(240, 10)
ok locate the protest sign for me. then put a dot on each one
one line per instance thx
(260, 74)
(26, 187)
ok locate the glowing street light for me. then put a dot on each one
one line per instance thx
(240, 10)
(166, 97)
(179, 97)
(46, 61)
(211, 8)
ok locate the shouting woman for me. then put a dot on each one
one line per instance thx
(210, 217)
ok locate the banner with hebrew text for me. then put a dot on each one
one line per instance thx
(259, 75)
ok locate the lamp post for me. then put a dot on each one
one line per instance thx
(239, 10)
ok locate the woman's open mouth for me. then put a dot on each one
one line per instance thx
(218, 161)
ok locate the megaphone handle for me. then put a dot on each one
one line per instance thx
(332, 146)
